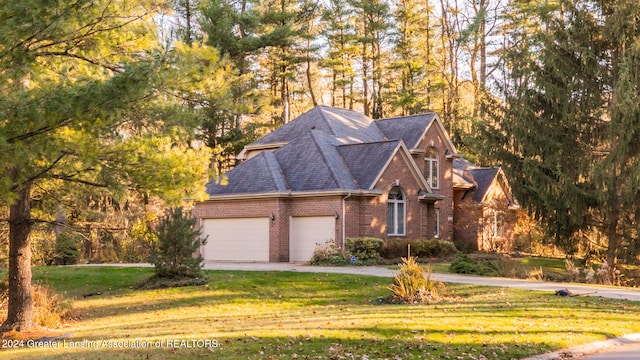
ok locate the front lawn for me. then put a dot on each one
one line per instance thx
(268, 315)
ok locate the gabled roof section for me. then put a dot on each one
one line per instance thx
(261, 174)
(345, 125)
(466, 175)
(366, 161)
(483, 178)
(411, 129)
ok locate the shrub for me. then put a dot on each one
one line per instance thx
(50, 309)
(329, 254)
(464, 264)
(178, 240)
(394, 249)
(66, 251)
(366, 250)
(411, 285)
(433, 248)
(421, 248)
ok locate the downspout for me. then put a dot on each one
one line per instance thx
(344, 222)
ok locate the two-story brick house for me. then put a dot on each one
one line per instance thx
(327, 175)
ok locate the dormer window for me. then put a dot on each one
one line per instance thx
(431, 167)
(396, 212)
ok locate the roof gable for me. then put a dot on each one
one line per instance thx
(469, 176)
(366, 161)
(412, 129)
(404, 153)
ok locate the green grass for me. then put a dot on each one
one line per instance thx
(267, 315)
(550, 264)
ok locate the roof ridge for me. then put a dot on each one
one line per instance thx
(275, 170)
(324, 118)
(406, 116)
(370, 142)
(332, 171)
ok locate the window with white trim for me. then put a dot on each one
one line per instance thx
(396, 212)
(431, 167)
(496, 224)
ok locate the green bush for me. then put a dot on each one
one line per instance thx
(433, 248)
(366, 250)
(464, 264)
(66, 251)
(329, 254)
(421, 248)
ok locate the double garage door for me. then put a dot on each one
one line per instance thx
(247, 239)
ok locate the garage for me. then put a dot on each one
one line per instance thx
(307, 231)
(236, 239)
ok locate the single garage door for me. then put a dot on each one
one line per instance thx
(238, 239)
(305, 232)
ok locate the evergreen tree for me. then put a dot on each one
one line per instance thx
(178, 241)
(82, 104)
(568, 131)
(339, 24)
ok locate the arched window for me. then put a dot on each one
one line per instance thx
(431, 167)
(396, 212)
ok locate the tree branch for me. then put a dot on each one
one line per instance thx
(72, 178)
(66, 53)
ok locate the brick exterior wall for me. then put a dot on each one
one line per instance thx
(467, 222)
(419, 213)
(445, 187)
(470, 232)
(364, 215)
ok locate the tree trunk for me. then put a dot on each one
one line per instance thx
(20, 306)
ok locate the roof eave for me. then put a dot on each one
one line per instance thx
(463, 186)
(431, 197)
(289, 194)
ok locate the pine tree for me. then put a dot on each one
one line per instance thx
(178, 241)
(82, 104)
(568, 131)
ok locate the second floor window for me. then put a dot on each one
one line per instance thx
(431, 167)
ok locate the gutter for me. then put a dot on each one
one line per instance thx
(344, 221)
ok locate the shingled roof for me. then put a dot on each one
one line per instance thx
(467, 175)
(346, 126)
(407, 128)
(324, 149)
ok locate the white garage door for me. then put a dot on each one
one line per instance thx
(242, 239)
(306, 232)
